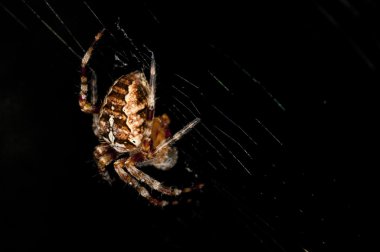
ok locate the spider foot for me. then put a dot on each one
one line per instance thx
(193, 188)
(106, 177)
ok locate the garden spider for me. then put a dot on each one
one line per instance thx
(125, 124)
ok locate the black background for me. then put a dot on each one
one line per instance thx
(319, 59)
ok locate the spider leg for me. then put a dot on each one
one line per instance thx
(127, 178)
(177, 136)
(151, 182)
(94, 99)
(155, 184)
(152, 82)
(85, 105)
(151, 98)
(104, 155)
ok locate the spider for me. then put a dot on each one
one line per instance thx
(129, 133)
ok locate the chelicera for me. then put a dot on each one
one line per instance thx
(129, 133)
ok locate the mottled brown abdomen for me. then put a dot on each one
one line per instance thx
(122, 117)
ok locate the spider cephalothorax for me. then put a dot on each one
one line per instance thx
(130, 135)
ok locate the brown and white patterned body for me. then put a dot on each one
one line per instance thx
(129, 133)
(124, 121)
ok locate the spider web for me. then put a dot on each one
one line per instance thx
(268, 89)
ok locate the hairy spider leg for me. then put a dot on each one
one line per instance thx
(177, 136)
(152, 82)
(94, 100)
(104, 155)
(127, 178)
(85, 105)
(151, 99)
(155, 184)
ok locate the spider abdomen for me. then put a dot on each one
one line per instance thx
(122, 117)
